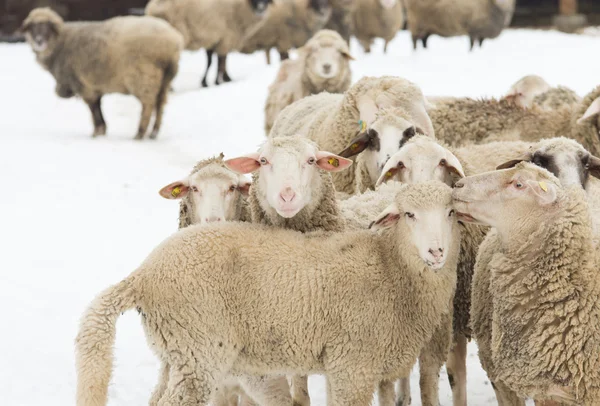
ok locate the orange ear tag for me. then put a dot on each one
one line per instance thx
(176, 191)
(334, 162)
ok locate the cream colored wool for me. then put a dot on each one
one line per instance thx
(371, 20)
(364, 329)
(341, 17)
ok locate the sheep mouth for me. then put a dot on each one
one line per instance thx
(434, 265)
(40, 46)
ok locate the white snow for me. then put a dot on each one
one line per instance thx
(78, 214)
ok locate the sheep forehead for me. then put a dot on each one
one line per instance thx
(297, 146)
(560, 144)
(42, 15)
(213, 173)
(390, 118)
(426, 195)
(533, 171)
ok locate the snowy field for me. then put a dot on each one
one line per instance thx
(89, 211)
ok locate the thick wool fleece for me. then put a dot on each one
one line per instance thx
(556, 97)
(463, 121)
(331, 120)
(356, 306)
(536, 307)
(210, 168)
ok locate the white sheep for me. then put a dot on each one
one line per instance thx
(246, 318)
(332, 121)
(322, 66)
(376, 19)
(536, 285)
(128, 55)
(218, 26)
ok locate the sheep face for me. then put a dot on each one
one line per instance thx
(326, 62)
(565, 158)
(41, 36)
(506, 198)
(213, 193)
(420, 160)
(260, 6)
(430, 224)
(526, 89)
(289, 172)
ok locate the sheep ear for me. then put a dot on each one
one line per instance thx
(175, 190)
(331, 162)
(244, 186)
(358, 144)
(592, 111)
(387, 218)
(367, 109)
(513, 162)
(391, 168)
(244, 164)
(595, 166)
(545, 192)
(25, 26)
(453, 165)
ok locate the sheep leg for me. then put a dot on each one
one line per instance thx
(99, 123)
(472, 42)
(267, 391)
(283, 55)
(403, 389)
(268, 55)
(456, 365)
(386, 393)
(424, 40)
(346, 390)
(187, 387)
(225, 396)
(300, 390)
(161, 98)
(415, 42)
(481, 42)
(161, 387)
(505, 396)
(222, 75)
(209, 55)
(147, 109)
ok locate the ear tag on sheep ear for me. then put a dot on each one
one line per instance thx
(334, 162)
(363, 126)
(176, 191)
(543, 186)
(388, 174)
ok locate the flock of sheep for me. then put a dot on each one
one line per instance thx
(380, 226)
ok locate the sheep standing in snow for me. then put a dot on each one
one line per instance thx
(218, 26)
(128, 55)
(332, 121)
(376, 19)
(533, 90)
(463, 121)
(479, 19)
(536, 285)
(192, 314)
(322, 66)
(289, 24)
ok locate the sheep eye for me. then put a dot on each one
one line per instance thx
(194, 189)
(409, 215)
(443, 162)
(451, 213)
(311, 161)
(400, 165)
(263, 161)
(518, 185)
(232, 188)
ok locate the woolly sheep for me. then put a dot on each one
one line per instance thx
(341, 18)
(322, 65)
(289, 24)
(128, 55)
(332, 121)
(376, 19)
(536, 278)
(465, 121)
(188, 308)
(479, 19)
(533, 90)
(218, 26)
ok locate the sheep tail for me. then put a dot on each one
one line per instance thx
(94, 343)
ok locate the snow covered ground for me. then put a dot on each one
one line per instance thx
(89, 211)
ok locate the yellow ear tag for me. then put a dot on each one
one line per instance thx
(363, 125)
(388, 174)
(354, 146)
(543, 186)
(176, 191)
(334, 162)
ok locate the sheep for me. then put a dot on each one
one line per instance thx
(535, 288)
(289, 24)
(533, 90)
(322, 65)
(128, 55)
(465, 121)
(332, 121)
(218, 26)
(341, 18)
(479, 19)
(372, 279)
(376, 19)
(211, 192)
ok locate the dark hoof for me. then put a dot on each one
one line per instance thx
(99, 131)
(139, 137)
(203, 83)
(153, 134)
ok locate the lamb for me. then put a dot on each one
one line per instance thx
(211, 192)
(218, 26)
(479, 19)
(332, 121)
(188, 308)
(533, 90)
(341, 18)
(376, 19)
(289, 24)
(322, 65)
(465, 121)
(128, 55)
(536, 278)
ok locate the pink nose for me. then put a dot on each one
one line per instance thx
(287, 195)
(212, 219)
(437, 253)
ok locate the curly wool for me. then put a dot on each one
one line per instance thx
(556, 97)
